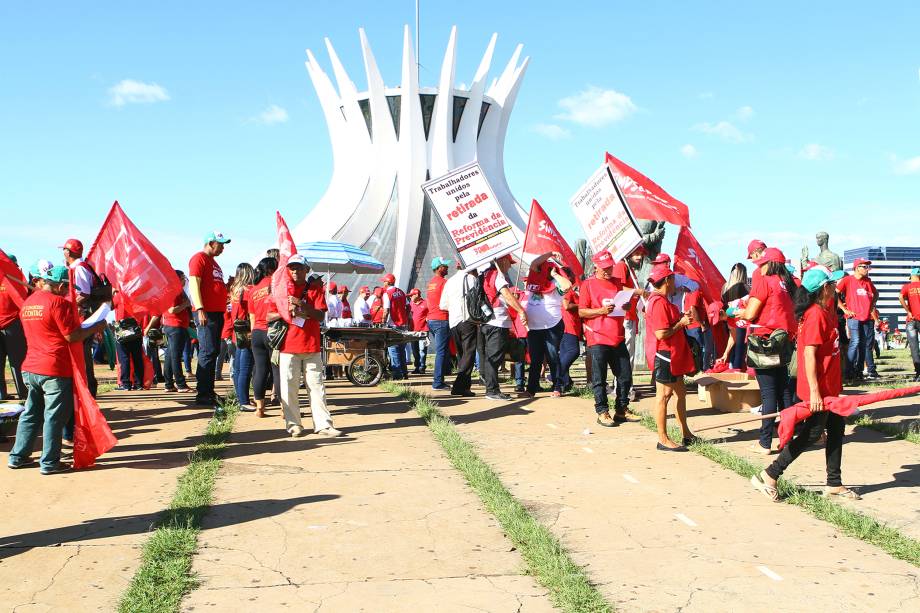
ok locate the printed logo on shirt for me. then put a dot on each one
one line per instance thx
(861, 291)
(260, 293)
(33, 311)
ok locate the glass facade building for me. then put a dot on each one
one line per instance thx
(890, 271)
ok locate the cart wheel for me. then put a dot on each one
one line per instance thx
(364, 370)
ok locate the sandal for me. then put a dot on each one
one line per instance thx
(767, 490)
(842, 492)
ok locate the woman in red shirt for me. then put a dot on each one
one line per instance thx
(241, 372)
(668, 356)
(573, 334)
(819, 376)
(769, 308)
(258, 303)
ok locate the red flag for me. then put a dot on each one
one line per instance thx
(691, 260)
(542, 236)
(646, 199)
(12, 280)
(286, 249)
(132, 264)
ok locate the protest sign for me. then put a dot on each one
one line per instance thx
(604, 215)
(466, 205)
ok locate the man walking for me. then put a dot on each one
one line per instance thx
(494, 333)
(438, 324)
(419, 308)
(910, 301)
(396, 314)
(857, 301)
(464, 332)
(209, 302)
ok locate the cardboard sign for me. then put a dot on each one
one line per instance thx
(472, 216)
(605, 217)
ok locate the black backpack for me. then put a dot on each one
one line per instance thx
(478, 309)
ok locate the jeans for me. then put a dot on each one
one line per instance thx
(569, 350)
(704, 340)
(91, 382)
(176, 339)
(49, 405)
(153, 352)
(419, 354)
(291, 366)
(208, 350)
(439, 333)
(517, 369)
(242, 374)
(398, 368)
(544, 345)
(13, 346)
(130, 353)
(261, 363)
(465, 336)
(913, 332)
(222, 358)
(833, 450)
(188, 352)
(859, 351)
(616, 357)
(738, 352)
(773, 384)
(492, 341)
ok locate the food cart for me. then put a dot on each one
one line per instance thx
(362, 350)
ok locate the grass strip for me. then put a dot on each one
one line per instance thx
(546, 559)
(850, 522)
(165, 574)
(911, 433)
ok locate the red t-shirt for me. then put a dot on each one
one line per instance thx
(213, 288)
(399, 311)
(777, 312)
(858, 296)
(9, 312)
(695, 299)
(603, 330)
(419, 315)
(346, 309)
(227, 331)
(660, 314)
(183, 318)
(621, 274)
(46, 318)
(435, 287)
(571, 319)
(305, 339)
(819, 328)
(910, 290)
(257, 301)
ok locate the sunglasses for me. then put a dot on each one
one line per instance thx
(866, 266)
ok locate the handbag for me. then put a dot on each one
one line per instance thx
(276, 332)
(127, 330)
(156, 337)
(769, 352)
(243, 333)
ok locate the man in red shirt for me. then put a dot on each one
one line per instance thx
(419, 308)
(857, 301)
(12, 339)
(209, 303)
(83, 277)
(50, 326)
(910, 301)
(755, 250)
(301, 351)
(395, 313)
(606, 339)
(438, 324)
(176, 321)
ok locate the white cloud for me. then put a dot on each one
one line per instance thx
(705, 95)
(551, 131)
(689, 151)
(744, 113)
(816, 152)
(910, 166)
(724, 130)
(270, 116)
(596, 107)
(130, 91)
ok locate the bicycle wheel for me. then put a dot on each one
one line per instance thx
(364, 370)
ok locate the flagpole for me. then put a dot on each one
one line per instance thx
(418, 48)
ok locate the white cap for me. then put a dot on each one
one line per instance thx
(297, 259)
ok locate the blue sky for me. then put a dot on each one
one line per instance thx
(771, 121)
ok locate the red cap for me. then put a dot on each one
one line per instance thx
(603, 259)
(662, 258)
(332, 288)
(754, 245)
(414, 292)
(378, 291)
(364, 289)
(389, 278)
(75, 246)
(343, 289)
(770, 254)
(861, 261)
(659, 272)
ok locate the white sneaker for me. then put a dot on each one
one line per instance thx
(330, 432)
(296, 431)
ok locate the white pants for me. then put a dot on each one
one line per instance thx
(292, 367)
(631, 328)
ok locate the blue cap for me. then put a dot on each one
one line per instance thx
(215, 237)
(814, 279)
(41, 267)
(58, 274)
(914, 272)
(439, 261)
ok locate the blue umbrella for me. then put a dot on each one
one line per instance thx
(331, 256)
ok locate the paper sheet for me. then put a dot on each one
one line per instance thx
(623, 296)
(298, 321)
(100, 315)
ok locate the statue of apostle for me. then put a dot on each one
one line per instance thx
(827, 257)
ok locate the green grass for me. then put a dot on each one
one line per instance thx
(544, 555)
(853, 523)
(105, 387)
(165, 574)
(910, 433)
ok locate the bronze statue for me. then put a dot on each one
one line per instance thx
(827, 257)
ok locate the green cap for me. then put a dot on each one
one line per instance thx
(215, 237)
(914, 272)
(814, 279)
(837, 275)
(40, 267)
(12, 258)
(58, 274)
(439, 261)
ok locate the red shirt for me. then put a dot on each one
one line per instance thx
(46, 319)
(621, 274)
(435, 287)
(305, 339)
(346, 309)
(910, 290)
(858, 296)
(695, 299)
(419, 315)
(571, 319)
(257, 301)
(819, 328)
(182, 319)
(660, 314)
(399, 311)
(227, 331)
(603, 330)
(9, 312)
(777, 312)
(213, 288)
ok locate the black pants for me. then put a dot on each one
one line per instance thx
(833, 451)
(176, 339)
(153, 352)
(208, 350)
(13, 346)
(491, 347)
(616, 358)
(91, 382)
(465, 335)
(774, 395)
(129, 353)
(261, 366)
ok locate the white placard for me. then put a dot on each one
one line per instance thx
(605, 217)
(100, 315)
(471, 214)
(623, 296)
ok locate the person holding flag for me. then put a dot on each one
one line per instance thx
(83, 278)
(13, 291)
(209, 303)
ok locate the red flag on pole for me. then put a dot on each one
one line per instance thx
(542, 236)
(286, 248)
(691, 260)
(133, 265)
(11, 279)
(646, 199)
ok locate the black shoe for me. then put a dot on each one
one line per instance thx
(872, 376)
(661, 447)
(464, 393)
(123, 388)
(620, 418)
(519, 388)
(26, 464)
(60, 467)
(498, 396)
(170, 388)
(441, 388)
(691, 440)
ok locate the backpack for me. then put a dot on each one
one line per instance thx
(478, 309)
(100, 291)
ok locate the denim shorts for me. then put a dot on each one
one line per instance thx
(662, 371)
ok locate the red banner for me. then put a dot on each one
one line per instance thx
(286, 249)
(11, 278)
(542, 236)
(691, 260)
(646, 199)
(132, 264)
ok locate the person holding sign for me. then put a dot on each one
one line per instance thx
(494, 333)
(545, 326)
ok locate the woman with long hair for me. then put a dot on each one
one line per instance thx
(544, 323)
(258, 304)
(242, 357)
(769, 309)
(737, 286)
(819, 376)
(570, 346)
